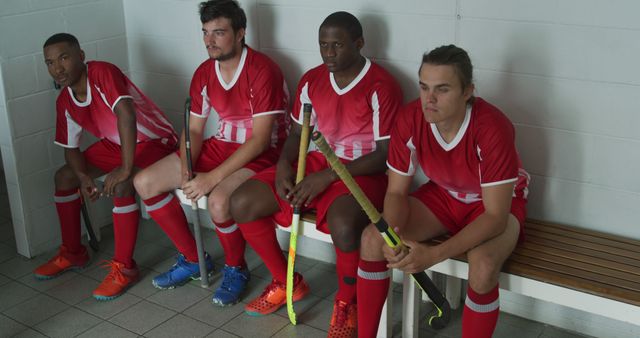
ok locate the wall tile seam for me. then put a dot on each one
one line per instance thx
(37, 133)
(579, 133)
(31, 11)
(173, 38)
(582, 183)
(576, 79)
(13, 99)
(545, 23)
(39, 53)
(180, 76)
(51, 168)
(356, 10)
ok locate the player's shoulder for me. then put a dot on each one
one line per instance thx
(380, 77)
(486, 113)
(205, 67)
(98, 67)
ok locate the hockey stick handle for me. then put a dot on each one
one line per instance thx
(304, 143)
(392, 239)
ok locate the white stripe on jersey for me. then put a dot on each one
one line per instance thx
(117, 100)
(241, 135)
(206, 105)
(74, 131)
(375, 105)
(340, 151)
(146, 131)
(304, 98)
(413, 157)
(357, 149)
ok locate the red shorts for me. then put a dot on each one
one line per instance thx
(215, 151)
(374, 186)
(455, 215)
(106, 155)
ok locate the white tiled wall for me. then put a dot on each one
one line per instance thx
(27, 105)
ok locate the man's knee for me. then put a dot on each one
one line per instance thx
(124, 189)
(484, 270)
(143, 185)
(241, 203)
(345, 232)
(371, 241)
(218, 204)
(65, 178)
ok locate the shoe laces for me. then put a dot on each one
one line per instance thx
(341, 313)
(230, 277)
(115, 272)
(271, 288)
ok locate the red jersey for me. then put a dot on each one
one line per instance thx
(257, 88)
(106, 86)
(353, 118)
(482, 154)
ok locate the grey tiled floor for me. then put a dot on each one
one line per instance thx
(63, 307)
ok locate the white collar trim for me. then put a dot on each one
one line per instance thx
(88, 100)
(236, 75)
(463, 129)
(363, 72)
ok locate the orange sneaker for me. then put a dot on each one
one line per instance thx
(275, 295)
(63, 261)
(117, 281)
(344, 321)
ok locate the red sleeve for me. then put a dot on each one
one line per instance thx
(497, 152)
(268, 90)
(386, 100)
(68, 132)
(402, 157)
(200, 104)
(111, 82)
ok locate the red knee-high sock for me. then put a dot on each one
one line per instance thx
(167, 212)
(373, 286)
(68, 207)
(126, 217)
(347, 270)
(480, 313)
(232, 243)
(261, 235)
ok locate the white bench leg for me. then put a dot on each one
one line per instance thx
(385, 326)
(410, 307)
(453, 291)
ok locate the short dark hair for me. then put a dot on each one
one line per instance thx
(62, 37)
(346, 21)
(230, 9)
(455, 56)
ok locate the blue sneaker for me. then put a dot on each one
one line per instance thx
(234, 282)
(181, 273)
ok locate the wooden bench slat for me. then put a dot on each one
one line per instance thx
(593, 233)
(580, 276)
(581, 235)
(581, 257)
(587, 267)
(584, 244)
(584, 251)
(566, 280)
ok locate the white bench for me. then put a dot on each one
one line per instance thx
(308, 229)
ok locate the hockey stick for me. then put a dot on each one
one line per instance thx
(93, 242)
(204, 275)
(443, 315)
(295, 219)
